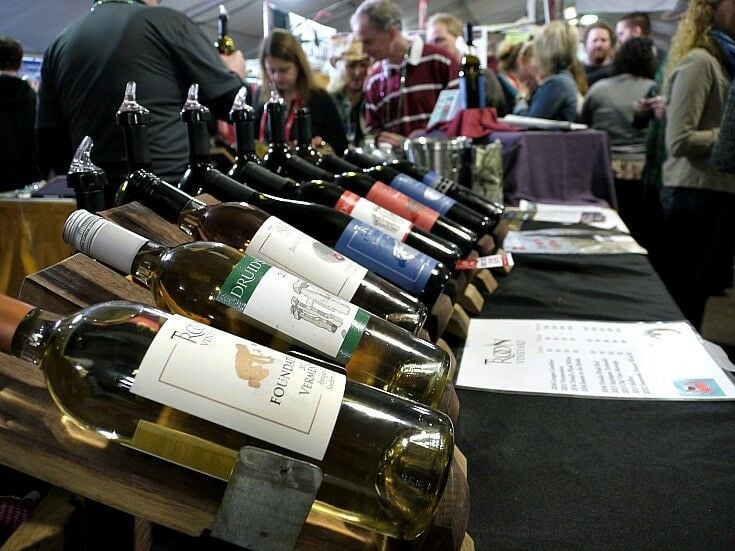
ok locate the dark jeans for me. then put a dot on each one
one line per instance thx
(697, 246)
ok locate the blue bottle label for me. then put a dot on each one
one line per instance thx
(437, 181)
(387, 257)
(423, 194)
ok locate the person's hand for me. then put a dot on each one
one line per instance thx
(235, 62)
(641, 107)
(390, 138)
(658, 105)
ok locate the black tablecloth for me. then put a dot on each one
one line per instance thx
(548, 471)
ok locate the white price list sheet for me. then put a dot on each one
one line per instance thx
(633, 360)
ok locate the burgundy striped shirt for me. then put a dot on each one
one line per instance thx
(403, 109)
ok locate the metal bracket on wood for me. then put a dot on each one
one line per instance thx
(266, 501)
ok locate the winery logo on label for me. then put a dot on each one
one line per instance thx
(506, 351)
(195, 333)
(243, 280)
(326, 254)
(249, 365)
(403, 254)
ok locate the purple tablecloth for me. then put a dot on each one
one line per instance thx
(557, 167)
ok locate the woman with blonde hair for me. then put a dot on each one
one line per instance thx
(698, 200)
(518, 71)
(555, 97)
(286, 70)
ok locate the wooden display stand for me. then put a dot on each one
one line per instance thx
(37, 440)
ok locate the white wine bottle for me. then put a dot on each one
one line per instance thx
(153, 381)
(219, 285)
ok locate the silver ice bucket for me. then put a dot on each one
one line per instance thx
(450, 157)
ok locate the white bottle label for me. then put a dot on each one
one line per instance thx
(287, 304)
(366, 211)
(240, 385)
(284, 246)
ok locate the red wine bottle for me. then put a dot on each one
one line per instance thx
(304, 149)
(134, 119)
(436, 181)
(422, 276)
(87, 180)
(242, 117)
(331, 195)
(238, 224)
(281, 160)
(480, 223)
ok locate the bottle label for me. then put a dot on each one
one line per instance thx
(297, 308)
(243, 386)
(285, 247)
(423, 194)
(437, 181)
(402, 205)
(366, 211)
(382, 254)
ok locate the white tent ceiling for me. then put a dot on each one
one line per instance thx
(35, 23)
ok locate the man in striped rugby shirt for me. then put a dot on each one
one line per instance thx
(400, 90)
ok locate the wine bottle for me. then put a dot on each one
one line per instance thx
(86, 179)
(331, 195)
(111, 367)
(442, 203)
(304, 149)
(471, 75)
(134, 119)
(242, 117)
(224, 44)
(241, 225)
(280, 160)
(422, 276)
(196, 117)
(219, 285)
(494, 211)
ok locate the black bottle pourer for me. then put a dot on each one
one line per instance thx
(196, 116)
(134, 120)
(86, 179)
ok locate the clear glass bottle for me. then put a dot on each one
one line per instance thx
(385, 459)
(218, 285)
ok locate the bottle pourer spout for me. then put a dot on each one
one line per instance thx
(240, 103)
(192, 98)
(82, 161)
(130, 103)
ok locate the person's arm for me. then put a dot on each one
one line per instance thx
(373, 118)
(690, 87)
(546, 100)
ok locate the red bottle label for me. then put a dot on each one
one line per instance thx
(402, 205)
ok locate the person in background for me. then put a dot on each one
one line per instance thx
(634, 25)
(445, 31)
(17, 113)
(401, 90)
(555, 97)
(518, 70)
(698, 199)
(86, 68)
(346, 87)
(598, 45)
(609, 106)
(286, 70)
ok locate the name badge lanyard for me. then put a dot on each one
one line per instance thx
(295, 105)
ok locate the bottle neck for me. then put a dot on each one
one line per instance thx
(245, 142)
(158, 195)
(89, 189)
(275, 125)
(33, 334)
(266, 181)
(137, 147)
(225, 188)
(147, 263)
(198, 134)
(361, 160)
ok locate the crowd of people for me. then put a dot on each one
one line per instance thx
(662, 111)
